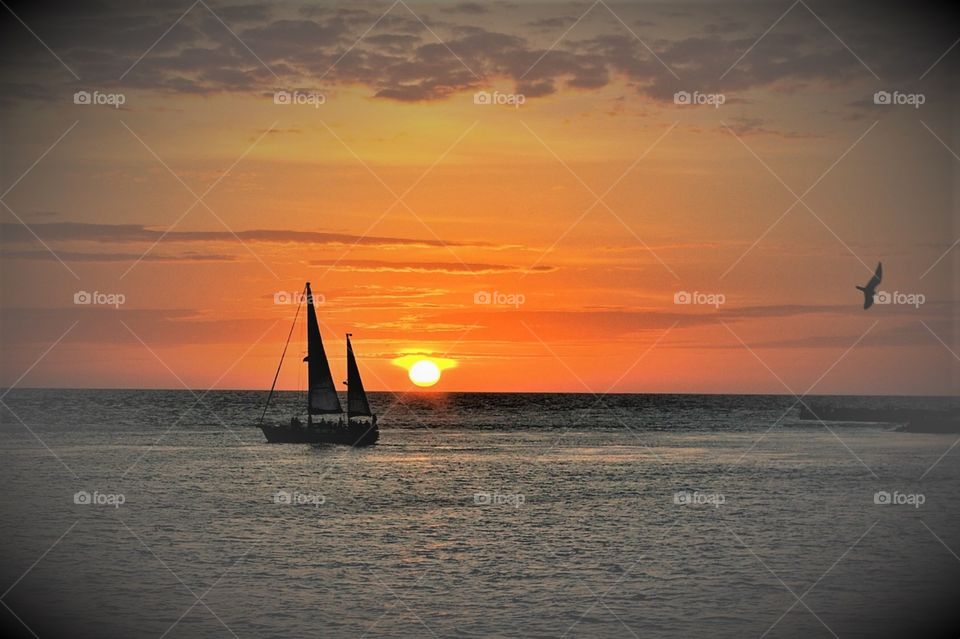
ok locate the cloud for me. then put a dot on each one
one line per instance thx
(181, 326)
(550, 24)
(390, 299)
(76, 256)
(401, 60)
(630, 323)
(743, 127)
(910, 334)
(450, 268)
(277, 131)
(120, 233)
(101, 325)
(472, 8)
(244, 13)
(726, 26)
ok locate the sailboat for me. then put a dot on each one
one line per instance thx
(326, 421)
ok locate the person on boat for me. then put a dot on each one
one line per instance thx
(295, 422)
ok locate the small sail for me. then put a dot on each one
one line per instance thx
(357, 405)
(322, 397)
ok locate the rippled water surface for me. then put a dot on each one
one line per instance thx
(476, 516)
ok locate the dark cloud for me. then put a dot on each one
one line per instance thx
(548, 24)
(727, 26)
(910, 334)
(394, 42)
(450, 268)
(77, 256)
(400, 59)
(118, 233)
(760, 126)
(244, 13)
(101, 325)
(472, 8)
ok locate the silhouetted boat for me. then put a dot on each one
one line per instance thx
(333, 426)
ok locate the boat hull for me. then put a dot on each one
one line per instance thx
(348, 435)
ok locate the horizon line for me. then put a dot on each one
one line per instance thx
(424, 391)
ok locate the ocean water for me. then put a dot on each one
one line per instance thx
(477, 515)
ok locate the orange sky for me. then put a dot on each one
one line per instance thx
(399, 198)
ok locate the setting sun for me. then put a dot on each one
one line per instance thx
(423, 368)
(424, 373)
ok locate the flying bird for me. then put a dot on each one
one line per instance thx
(870, 290)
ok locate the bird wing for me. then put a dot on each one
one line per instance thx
(867, 299)
(877, 276)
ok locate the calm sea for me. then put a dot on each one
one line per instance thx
(164, 514)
